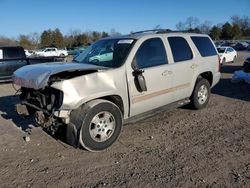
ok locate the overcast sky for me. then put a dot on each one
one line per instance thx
(26, 16)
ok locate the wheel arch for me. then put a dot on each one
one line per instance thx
(116, 99)
(208, 75)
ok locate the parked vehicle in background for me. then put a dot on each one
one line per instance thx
(72, 51)
(11, 58)
(148, 72)
(240, 45)
(75, 50)
(28, 53)
(48, 52)
(14, 57)
(227, 54)
(101, 55)
(246, 65)
(248, 47)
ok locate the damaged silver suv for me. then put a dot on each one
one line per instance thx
(119, 80)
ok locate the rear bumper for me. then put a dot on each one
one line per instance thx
(216, 78)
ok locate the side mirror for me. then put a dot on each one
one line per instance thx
(139, 80)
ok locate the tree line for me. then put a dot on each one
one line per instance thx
(236, 29)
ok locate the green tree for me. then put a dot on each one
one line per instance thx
(95, 36)
(58, 40)
(51, 38)
(46, 38)
(104, 34)
(215, 33)
(227, 32)
(81, 40)
(236, 31)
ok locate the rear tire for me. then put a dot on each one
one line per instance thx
(223, 61)
(201, 94)
(234, 60)
(62, 55)
(100, 123)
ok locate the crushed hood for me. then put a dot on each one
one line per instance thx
(37, 76)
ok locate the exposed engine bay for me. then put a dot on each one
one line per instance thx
(42, 103)
(39, 98)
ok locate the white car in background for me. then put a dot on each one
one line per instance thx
(27, 53)
(48, 52)
(227, 54)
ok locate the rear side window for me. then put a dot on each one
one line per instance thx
(151, 53)
(180, 49)
(204, 45)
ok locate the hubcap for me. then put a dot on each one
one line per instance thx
(202, 94)
(102, 126)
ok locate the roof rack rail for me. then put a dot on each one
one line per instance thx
(144, 31)
(159, 31)
(152, 31)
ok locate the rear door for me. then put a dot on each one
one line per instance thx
(151, 59)
(184, 66)
(54, 52)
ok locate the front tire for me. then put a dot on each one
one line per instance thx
(201, 94)
(100, 122)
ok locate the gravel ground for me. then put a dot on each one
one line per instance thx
(181, 148)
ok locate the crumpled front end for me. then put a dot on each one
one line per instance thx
(44, 104)
(39, 97)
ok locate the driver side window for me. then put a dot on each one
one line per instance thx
(151, 53)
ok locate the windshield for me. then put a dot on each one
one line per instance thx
(221, 50)
(107, 53)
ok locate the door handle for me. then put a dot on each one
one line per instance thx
(193, 66)
(166, 72)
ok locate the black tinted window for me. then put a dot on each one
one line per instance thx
(11, 53)
(180, 49)
(204, 45)
(151, 53)
(221, 50)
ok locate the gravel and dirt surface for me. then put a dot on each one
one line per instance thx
(180, 148)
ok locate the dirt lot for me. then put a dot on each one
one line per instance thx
(181, 148)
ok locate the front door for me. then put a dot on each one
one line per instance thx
(151, 60)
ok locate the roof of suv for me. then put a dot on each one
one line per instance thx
(140, 34)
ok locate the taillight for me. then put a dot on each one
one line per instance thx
(219, 65)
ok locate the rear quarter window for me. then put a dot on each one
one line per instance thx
(204, 46)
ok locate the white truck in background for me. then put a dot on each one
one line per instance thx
(47, 52)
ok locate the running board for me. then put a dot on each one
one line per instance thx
(153, 112)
